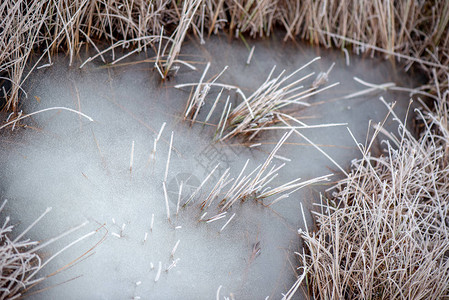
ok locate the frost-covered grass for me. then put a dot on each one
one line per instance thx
(264, 108)
(254, 186)
(414, 31)
(20, 263)
(383, 233)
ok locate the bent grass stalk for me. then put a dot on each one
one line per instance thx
(172, 254)
(167, 206)
(44, 110)
(227, 222)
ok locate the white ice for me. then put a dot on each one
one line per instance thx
(82, 170)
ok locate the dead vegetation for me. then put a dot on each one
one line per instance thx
(264, 108)
(384, 232)
(21, 265)
(414, 31)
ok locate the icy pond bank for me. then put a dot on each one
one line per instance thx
(82, 170)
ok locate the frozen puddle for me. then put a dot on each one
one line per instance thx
(82, 170)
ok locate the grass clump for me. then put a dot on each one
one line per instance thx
(384, 232)
(20, 261)
(414, 31)
(264, 108)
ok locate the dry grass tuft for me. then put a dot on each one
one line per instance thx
(174, 43)
(384, 232)
(263, 108)
(20, 263)
(254, 186)
(17, 262)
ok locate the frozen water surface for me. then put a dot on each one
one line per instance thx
(82, 170)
